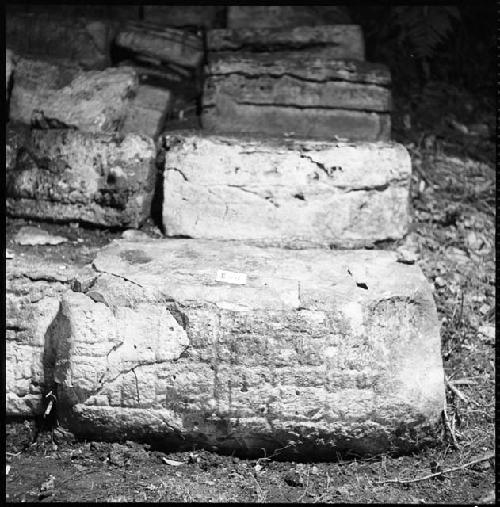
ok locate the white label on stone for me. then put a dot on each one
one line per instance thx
(231, 277)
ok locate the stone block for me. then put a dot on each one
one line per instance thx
(67, 175)
(165, 44)
(208, 16)
(300, 92)
(336, 41)
(34, 287)
(281, 16)
(148, 111)
(285, 192)
(191, 342)
(41, 34)
(92, 101)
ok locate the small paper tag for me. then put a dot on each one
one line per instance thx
(231, 277)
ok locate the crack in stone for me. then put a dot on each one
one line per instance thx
(327, 170)
(136, 386)
(277, 74)
(124, 372)
(178, 171)
(301, 107)
(269, 199)
(121, 277)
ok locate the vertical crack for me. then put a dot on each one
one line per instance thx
(136, 386)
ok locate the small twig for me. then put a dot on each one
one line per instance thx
(327, 487)
(449, 428)
(457, 392)
(430, 476)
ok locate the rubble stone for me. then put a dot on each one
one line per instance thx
(92, 101)
(67, 175)
(84, 42)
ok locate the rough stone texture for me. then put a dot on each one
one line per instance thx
(148, 111)
(167, 44)
(296, 64)
(330, 351)
(10, 65)
(82, 41)
(92, 101)
(280, 16)
(208, 16)
(66, 175)
(340, 41)
(303, 93)
(285, 192)
(33, 292)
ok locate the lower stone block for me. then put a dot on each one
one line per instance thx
(197, 342)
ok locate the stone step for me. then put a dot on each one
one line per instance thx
(64, 175)
(339, 41)
(285, 192)
(304, 92)
(191, 342)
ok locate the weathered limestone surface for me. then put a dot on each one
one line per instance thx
(92, 101)
(79, 40)
(296, 64)
(148, 111)
(10, 65)
(229, 117)
(239, 347)
(338, 41)
(298, 92)
(278, 16)
(285, 192)
(67, 175)
(167, 44)
(33, 291)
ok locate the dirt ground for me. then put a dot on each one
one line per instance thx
(453, 199)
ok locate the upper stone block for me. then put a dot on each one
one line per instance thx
(335, 41)
(304, 93)
(285, 192)
(285, 16)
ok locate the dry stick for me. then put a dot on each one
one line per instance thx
(430, 476)
(459, 393)
(449, 428)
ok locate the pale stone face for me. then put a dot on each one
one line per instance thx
(287, 345)
(293, 193)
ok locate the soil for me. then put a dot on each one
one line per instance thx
(454, 227)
